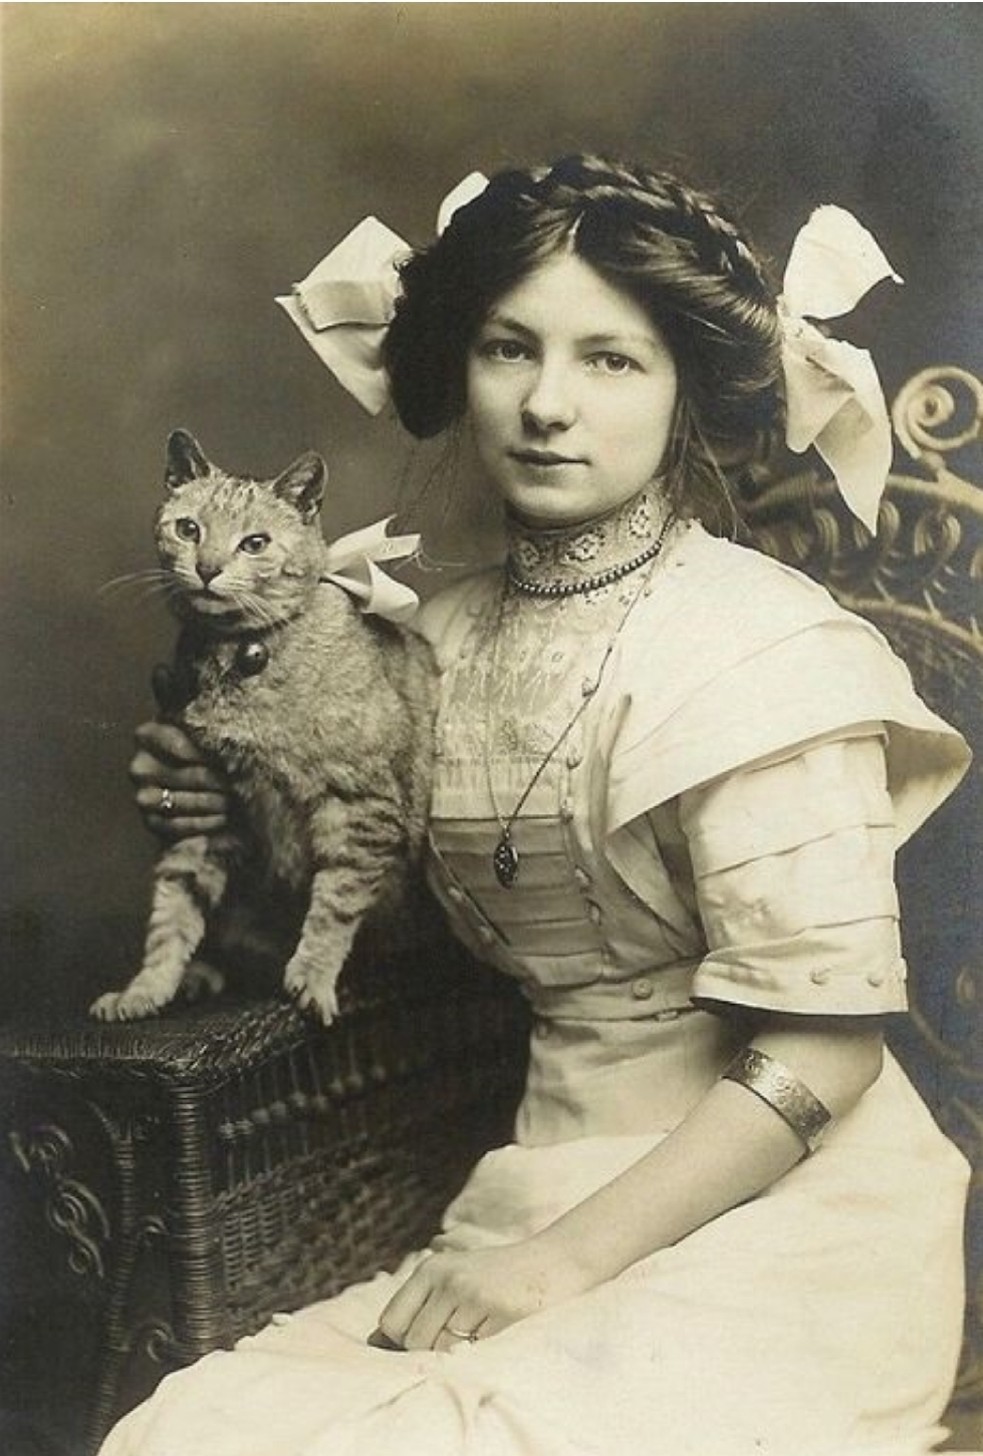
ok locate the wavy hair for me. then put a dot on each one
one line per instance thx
(668, 247)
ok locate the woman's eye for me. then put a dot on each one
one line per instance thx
(509, 351)
(253, 545)
(186, 529)
(609, 363)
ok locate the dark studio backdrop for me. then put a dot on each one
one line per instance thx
(167, 169)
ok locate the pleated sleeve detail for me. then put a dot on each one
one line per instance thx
(793, 866)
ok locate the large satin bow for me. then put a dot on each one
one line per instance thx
(833, 395)
(351, 563)
(346, 303)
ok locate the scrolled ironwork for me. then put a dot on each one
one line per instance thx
(919, 579)
(929, 403)
(70, 1208)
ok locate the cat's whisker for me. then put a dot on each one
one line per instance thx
(132, 579)
(256, 607)
(159, 589)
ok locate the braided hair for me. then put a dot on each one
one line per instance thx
(668, 247)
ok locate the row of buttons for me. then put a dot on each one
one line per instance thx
(822, 976)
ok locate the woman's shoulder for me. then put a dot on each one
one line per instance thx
(447, 614)
(728, 573)
(741, 657)
(713, 605)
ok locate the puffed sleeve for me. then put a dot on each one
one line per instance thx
(796, 757)
(792, 862)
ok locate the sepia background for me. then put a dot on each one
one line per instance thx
(167, 169)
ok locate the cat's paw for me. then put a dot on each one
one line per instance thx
(128, 1005)
(312, 990)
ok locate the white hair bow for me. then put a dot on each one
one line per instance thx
(352, 563)
(346, 303)
(833, 395)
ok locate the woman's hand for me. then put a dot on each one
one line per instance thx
(453, 1295)
(177, 792)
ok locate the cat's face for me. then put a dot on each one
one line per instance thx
(241, 553)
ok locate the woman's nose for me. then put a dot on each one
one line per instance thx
(549, 403)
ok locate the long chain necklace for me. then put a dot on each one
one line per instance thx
(506, 859)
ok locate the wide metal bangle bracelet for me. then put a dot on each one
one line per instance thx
(781, 1089)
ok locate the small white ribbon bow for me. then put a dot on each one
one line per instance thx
(351, 563)
(833, 394)
(346, 303)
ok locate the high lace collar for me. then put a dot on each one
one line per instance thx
(562, 560)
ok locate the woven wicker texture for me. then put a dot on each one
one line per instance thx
(198, 1173)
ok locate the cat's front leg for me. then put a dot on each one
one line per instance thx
(355, 849)
(189, 879)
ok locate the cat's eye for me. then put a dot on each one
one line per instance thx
(187, 529)
(253, 545)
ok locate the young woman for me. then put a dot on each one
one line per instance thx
(671, 778)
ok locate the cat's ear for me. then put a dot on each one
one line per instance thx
(185, 460)
(302, 484)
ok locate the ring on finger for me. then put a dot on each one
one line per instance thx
(471, 1336)
(166, 805)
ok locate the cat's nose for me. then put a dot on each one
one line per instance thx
(207, 572)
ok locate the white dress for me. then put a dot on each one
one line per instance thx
(715, 832)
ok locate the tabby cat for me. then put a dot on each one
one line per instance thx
(320, 716)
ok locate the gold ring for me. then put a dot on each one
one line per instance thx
(470, 1335)
(166, 805)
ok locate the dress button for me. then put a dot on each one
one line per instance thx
(486, 935)
(595, 913)
(566, 811)
(876, 978)
(588, 687)
(642, 988)
(820, 976)
(574, 758)
(455, 895)
(582, 877)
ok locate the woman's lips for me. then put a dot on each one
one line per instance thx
(544, 457)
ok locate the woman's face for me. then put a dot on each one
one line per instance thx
(571, 395)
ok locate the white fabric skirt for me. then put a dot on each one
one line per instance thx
(823, 1318)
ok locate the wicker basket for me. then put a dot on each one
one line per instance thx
(181, 1180)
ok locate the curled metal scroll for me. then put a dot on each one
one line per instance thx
(71, 1208)
(938, 411)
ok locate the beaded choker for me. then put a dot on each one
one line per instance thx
(505, 855)
(574, 560)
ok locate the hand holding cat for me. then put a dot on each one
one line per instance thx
(168, 768)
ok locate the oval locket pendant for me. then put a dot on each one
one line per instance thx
(505, 862)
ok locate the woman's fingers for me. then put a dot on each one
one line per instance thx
(175, 802)
(167, 741)
(402, 1311)
(463, 1327)
(425, 1314)
(184, 828)
(430, 1323)
(145, 768)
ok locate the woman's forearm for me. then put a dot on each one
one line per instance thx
(729, 1148)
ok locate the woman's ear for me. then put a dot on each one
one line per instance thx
(185, 460)
(302, 484)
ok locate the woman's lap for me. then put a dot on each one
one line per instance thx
(822, 1317)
